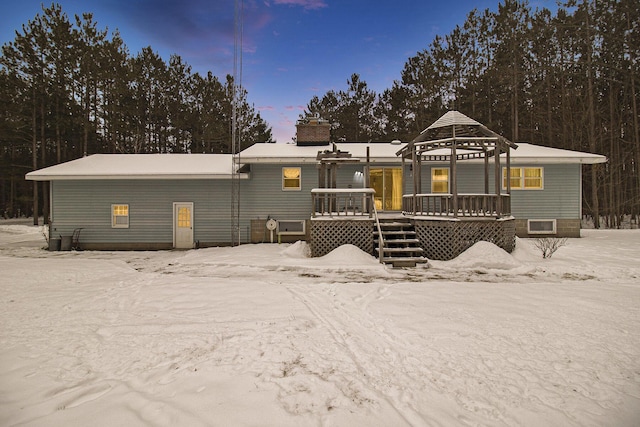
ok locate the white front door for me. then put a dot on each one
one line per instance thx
(183, 225)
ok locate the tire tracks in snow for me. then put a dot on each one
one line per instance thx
(386, 365)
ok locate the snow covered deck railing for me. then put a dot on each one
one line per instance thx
(464, 205)
(342, 202)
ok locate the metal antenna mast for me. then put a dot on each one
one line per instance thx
(235, 127)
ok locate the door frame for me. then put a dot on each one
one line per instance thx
(384, 196)
(175, 223)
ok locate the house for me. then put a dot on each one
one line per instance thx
(314, 189)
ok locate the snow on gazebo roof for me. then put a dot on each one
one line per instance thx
(452, 118)
(454, 124)
(455, 130)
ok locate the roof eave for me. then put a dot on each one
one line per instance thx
(110, 177)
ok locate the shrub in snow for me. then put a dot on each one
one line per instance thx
(548, 245)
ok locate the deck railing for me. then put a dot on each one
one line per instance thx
(342, 202)
(468, 205)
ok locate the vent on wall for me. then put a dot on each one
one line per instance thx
(541, 226)
(291, 227)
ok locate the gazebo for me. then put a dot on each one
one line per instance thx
(448, 221)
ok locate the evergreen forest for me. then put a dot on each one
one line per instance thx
(568, 79)
(564, 79)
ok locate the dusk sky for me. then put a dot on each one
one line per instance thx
(292, 49)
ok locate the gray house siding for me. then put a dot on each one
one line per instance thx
(560, 197)
(559, 200)
(262, 195)
(87, 205)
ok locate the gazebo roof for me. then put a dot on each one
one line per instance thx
(455, 129)
(451, 118)
(454, 124)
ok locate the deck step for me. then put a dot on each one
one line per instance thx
(402, 250)
(401, 246)
(399, 241)
(393, 232)
(395, 224)
(404, 261)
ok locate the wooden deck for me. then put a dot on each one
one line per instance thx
(441, 225)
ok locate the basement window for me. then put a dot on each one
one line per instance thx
(119, 216)
(291, 227)
(541, 226)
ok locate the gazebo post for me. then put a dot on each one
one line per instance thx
(416, 179)
(508, 149)
(508, 171)
(486, 172)
(367, 184)
(498, 178)
(454, 181)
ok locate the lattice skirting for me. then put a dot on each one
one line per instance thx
(328, 235)
(445, 240)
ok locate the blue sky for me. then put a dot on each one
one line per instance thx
(292, 49)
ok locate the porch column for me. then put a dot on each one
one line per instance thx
(322, 180)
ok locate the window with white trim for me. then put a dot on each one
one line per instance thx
(524, 178)
(291, 179)
(439, 180)
(119, 216)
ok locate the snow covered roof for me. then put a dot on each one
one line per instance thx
(290, 153)
(139, 166)
(537, 154)
(386, 153)
(219, 166)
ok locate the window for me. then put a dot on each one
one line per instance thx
(541, 226)
(440, 180)
(184, 217)
(119, 216)
(533, 178)
(516, 178)
(291, 227)
(291, 179)
(524, 178)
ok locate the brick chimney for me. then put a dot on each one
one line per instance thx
(312, 130)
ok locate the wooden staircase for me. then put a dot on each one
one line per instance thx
(400, 248)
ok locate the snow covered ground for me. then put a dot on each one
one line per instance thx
(262, 335)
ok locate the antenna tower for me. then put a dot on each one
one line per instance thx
(235, 125)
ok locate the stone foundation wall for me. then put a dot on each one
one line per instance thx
(564, 228)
